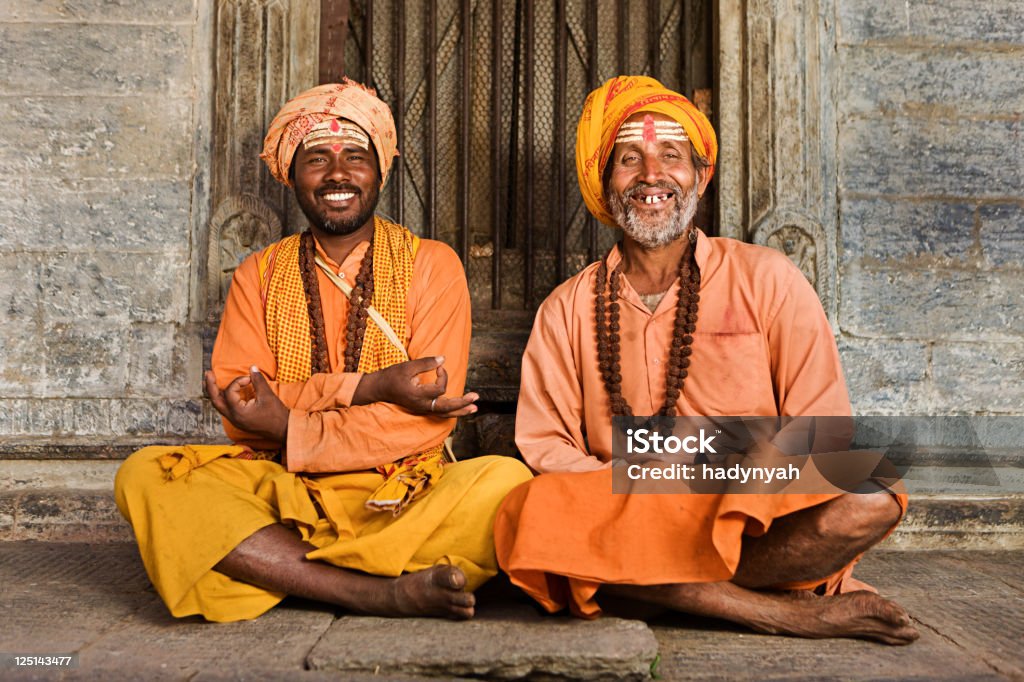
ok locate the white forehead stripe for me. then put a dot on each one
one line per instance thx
(665, 130)
(338, 131)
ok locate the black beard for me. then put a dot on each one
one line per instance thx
(320, 220)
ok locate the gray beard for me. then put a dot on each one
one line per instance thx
(655, 233)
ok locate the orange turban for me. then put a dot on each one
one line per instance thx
(348, 100)
(607, 108)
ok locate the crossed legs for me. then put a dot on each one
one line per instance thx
(811, 544)
(274, 558)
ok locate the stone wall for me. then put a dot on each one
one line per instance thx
(930, 101)
(102, 117)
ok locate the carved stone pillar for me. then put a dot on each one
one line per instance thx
(264, 51)
(777, 129)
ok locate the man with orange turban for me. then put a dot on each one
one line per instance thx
(339, 486)
(674, 323)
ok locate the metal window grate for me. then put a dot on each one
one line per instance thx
(486, 94)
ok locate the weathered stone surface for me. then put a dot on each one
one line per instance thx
(886, 377)
(509, 644)
(92, 215)
(115, 286)
(50, 417)
(49, 567)
(940, 438)
(904, 574)
(157, 417)
(22, 364)
(90, 418)
(98, 598)
(13, 417)
(919, 156)
(951, 522)
(82, 449)
(86, 359)
(165, 360)
(696, 649)
(924, 21)
(80, 287)
(76, 616)
(19, 287)
(693, 648)
(994, 633)
(96, 137)
(881, 231)
(38, 417)
(930, 80)
(278, 640)
(26, 474)
(979, 374)
(8, 506)
(99, 11)
(66, 515)
(79, 420)
(288, 675)
(108, 59)
(66, 595)
(932, 304)
(1002, 234)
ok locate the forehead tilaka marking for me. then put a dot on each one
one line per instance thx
(650, 130)
(336, 132)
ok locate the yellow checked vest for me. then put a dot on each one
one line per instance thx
(288, 333)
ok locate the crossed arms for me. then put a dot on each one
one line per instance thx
(347, 421)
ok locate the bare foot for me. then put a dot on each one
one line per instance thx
(437, 591)
(855, 614)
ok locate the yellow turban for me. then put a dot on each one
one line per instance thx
(607, 108)
(348, 100)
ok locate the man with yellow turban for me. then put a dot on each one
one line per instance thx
(339, 486)
(674, 323)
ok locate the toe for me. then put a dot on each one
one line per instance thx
(463, 599)
(457, 580)
(461, 612)
(451, 577)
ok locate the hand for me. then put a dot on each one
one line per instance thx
(250, 404)
(399, 384)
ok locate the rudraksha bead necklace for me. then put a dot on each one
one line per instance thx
(359, 304)
(608, 339)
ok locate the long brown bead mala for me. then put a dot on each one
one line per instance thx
(358, 312)
(359, 303)
(319, 358)
(608, 339)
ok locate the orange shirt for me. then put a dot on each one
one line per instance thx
(326, 433)
(763, 347)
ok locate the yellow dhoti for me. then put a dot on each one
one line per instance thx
(186, 525)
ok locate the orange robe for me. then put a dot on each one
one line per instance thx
(323, 437)
(762, 347)
(189, 516)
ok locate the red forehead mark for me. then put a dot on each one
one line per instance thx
(649, 133)
(336, 147)
(334, 126)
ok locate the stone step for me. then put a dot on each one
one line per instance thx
(62, 515)
(933, 521)
(507, 643)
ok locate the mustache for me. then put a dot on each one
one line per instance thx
(660, 184)
(329, 189)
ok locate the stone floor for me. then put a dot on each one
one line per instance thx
(94, 600)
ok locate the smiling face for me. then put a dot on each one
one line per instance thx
(653, 188)
(337, 184)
